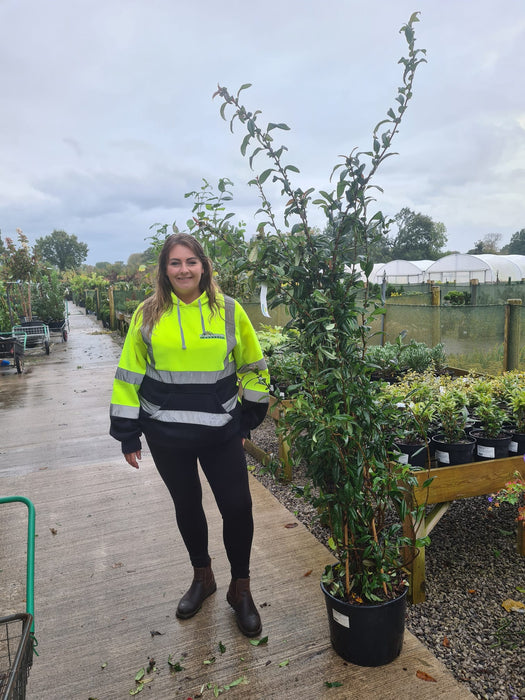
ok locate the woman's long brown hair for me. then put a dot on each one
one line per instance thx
(160, 301)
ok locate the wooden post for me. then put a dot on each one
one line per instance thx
(474, 286)
(511, 340)
(112, 318)
(436, 315)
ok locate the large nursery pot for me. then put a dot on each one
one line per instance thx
(450, 453)
(415, 454)
(517, 444)
(491, 448)
(366, 635)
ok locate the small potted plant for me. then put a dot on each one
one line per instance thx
(513, 493)
(452, 444)
(492, 441)
(516, 414)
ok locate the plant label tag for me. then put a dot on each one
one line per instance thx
(264, 304)
(513, 446)
(486, 451)
(402, 458)
(443, 457)
(341, 619)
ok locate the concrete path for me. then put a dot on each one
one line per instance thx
(110, 565)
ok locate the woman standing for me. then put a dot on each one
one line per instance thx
(187, 350)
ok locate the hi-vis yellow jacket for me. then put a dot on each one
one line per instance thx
(180, 381)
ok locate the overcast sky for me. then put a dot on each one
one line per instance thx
(107, 117)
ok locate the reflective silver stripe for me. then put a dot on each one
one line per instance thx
(255, 396)
(153, 410)
(212, 420)
(167, 377)
(230, 405)
(126, 375)
(253, 366)
(229, 323)
(118, 411)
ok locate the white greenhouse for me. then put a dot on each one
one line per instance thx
(461, 269)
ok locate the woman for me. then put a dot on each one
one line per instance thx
(187, 350)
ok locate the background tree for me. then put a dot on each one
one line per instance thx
(418, 237)
(61, 249)
(488, 244)
(18, 266)
(516, 245)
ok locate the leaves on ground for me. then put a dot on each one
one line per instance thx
(259, 642)
(333, 684)
(422, 675)
(513, 605)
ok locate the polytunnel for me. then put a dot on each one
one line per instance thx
(401, 272)
(461, 268)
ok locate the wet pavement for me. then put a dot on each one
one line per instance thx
(56, 413)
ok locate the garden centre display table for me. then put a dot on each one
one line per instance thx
(451, 484)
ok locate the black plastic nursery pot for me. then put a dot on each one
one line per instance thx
(491, 448)
(414, 454)
(450, 453)
(366, 635)
(517, 444)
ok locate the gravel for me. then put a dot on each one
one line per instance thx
(472, 566)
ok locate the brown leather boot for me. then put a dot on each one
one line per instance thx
(202, 586)
(240, 598)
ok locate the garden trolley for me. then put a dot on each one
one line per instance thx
(12, 350)
(37, 334)
(17, 640)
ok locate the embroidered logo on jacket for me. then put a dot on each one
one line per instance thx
(207, 335)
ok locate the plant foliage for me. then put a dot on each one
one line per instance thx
(338, 425)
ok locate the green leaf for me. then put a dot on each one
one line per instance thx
(222, 648)
(271, 126)
(292, 168)
(265, 175)
(245, 143)
(243, 87)
(259, 642)
(334, 684)
(208, 662)
(140, 674)
(284, 663)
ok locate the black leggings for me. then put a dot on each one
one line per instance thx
(225, 468)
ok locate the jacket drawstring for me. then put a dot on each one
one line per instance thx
(202, 319)
(180, 324)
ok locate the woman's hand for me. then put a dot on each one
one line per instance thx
(132, 457)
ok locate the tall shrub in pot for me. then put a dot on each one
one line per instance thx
(339, 426)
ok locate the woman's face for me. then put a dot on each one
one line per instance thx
(184, 270)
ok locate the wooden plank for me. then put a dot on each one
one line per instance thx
(466, 480)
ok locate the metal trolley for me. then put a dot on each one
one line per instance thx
(17, 640)
(37, 334)
(12, 350)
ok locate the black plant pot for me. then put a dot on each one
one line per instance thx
(450, 453)
(491, 448)
(413, 454)
(517, 444)
(366, 635)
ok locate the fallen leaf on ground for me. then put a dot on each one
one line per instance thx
(513, 605)
(446, 642)
(290, 525)
(308, 572)
(425, 677)
(53, 530)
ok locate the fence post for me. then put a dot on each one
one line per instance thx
(112, 319)
(436, 315)
(474, 286)
(511, 338)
